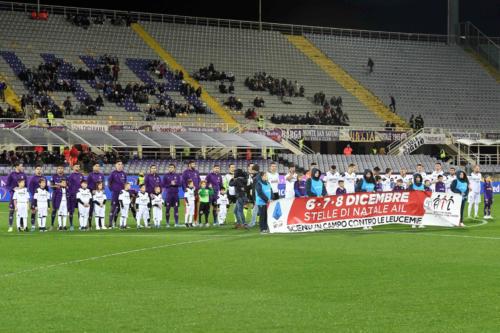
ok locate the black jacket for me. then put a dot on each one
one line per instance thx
(240, 184)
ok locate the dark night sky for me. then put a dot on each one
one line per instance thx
(426, 16)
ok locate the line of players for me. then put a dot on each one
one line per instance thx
(73, 191)
(88, 196)
(437, 181)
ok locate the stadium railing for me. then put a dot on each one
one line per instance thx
(12, 120)
(480, 43)
(217, 22)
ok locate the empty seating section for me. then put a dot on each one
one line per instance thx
(28, 40)
(441, 82)
(246, 52)
(362, 161)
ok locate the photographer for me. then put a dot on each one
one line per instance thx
(240, 185)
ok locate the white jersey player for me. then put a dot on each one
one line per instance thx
(388, 180)
(62, 211)
(274, 178)
(450, 178)
(331, 179)
(143, 202)
(350, 178)
(21, 200)
(222, 203)
(406, 178)
(99, 199)
(125, 200)
(420, 170)
(157, 203)
(42, 200)
(189, 198)
(475, 191)
(84, 198)
(438, 171)
(290, 180)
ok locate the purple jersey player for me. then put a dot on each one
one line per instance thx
(214, 181)
(488, 197)
(152, 179)
(171, 184)
(341, 189)
(116, 183)
(56, 189)
(95, 177)
(12, 181)
(74, 181)
(300, 186)
(440, 186)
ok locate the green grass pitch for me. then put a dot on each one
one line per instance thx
(392, 279)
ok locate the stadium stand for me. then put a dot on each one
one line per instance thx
(424, 77)
(363, 162)
(25, 40)
(324, 162)
(247, 52)
(441, 82)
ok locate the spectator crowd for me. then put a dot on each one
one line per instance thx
(84, 21)
(281, 88)
(317, 118)
(416, 122)
(209, 73)
(59, 155)
(9, 112)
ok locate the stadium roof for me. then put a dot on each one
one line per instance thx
(481, 142)
(132, 139)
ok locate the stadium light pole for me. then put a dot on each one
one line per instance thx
(260, 15)
(453, 21)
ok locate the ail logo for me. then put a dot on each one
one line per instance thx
(439, 203)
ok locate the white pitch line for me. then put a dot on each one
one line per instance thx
(163, 235)
(76, 261)
(439, 235)
(483, 222)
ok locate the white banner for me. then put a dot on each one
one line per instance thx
(88, 127)
(442, 209)
(363, 210)
(422, 139)
(434, 139)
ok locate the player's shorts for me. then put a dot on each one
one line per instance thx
(172, 202)
(474, 197)
(213, 200)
